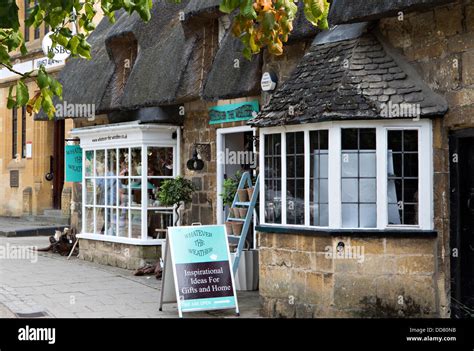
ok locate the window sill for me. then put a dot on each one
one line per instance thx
(391, 232)
(121, 240)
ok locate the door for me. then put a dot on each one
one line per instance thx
(236, 153)
(462, 233)
(58, 163)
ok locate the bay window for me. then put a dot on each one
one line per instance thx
(348, 175)
(124, 167)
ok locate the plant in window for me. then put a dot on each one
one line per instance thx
(175, 192)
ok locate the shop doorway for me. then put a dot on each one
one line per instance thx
(462, 223)
(57, 163)
(236, 153)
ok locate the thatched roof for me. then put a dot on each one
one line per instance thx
(350, 11)
(349, 73)
(167, 60)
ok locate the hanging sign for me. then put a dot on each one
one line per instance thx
(242, 111)
(73, 163)
(202, 276)
(268, 82)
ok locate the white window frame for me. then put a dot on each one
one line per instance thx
(425, 171)
(141, 136)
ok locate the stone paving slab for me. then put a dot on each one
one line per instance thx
(80, 289)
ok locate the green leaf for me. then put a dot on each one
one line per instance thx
(22, 95)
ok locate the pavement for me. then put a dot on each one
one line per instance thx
(50, 286)
(13, 227)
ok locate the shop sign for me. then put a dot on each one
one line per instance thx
(202, 273)
(59, 52)
(268, 82)
(242, 111)
(73, 163)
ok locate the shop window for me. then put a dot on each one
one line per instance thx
(355, 175)
(319, 202)
(273, 178)
(402, 173)
(114, 193)
(358, 178)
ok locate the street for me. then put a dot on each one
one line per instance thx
(53, 287)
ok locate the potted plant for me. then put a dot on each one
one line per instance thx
(175, 192)
(229, 188)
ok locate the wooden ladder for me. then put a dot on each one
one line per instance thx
(245, 181)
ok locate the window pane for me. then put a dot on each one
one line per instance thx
(350, 191)
(160, 161)
(123, 223)
(350, 215)
(158, 222)
(153, 188)
(111, 221)
(136, 161)
(402, 177)
(89, 192)
(136, 192)
(89, 164)
(367, 164)
(318, 188)
(124, 162)
(272, 155)
(295, 177)
(111, 162)
(367, 190)
(350, 164)
(100, 163)
(358, 183)
(136, 219)
(368, 216)
(111, 191)
(100, 220)
(350, 139)
(123, 192)
(89, 225)
(100, 191)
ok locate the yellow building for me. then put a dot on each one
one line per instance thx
(31, 152)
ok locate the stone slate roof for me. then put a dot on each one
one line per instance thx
(350, 11)
(350, 78)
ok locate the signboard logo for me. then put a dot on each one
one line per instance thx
(233, 112)
(59, 52)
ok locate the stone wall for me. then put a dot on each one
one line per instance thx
(117, 254)
(440, 45)
(392, 277)
(196, 130)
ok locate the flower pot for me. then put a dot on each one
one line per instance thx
(228, 227)
(243, 195)
(250, 192)
(243, 212)
(234, 213)
(237, 227)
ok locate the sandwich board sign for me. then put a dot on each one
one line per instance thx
(197, 273)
